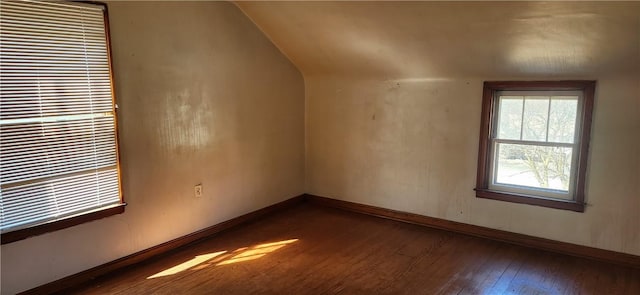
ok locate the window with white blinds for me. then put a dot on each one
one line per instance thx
(58, 150)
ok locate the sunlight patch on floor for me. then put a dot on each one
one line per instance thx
(186, 265)
(224, 258)
(256, 252)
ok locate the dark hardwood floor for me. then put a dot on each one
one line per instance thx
(316, 250)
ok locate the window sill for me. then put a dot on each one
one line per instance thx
(21, 234)
(529, 199)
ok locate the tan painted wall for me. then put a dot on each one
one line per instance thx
(393, 93)
(392, 114)
(413, 145)
(205, 98)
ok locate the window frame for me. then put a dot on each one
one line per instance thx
(484, 186)
(95, 214)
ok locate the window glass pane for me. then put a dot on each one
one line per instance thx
(536, 110)
(562, 118)
(510, 117)
(545, 167)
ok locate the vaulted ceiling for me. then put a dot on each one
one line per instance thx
(444, 39)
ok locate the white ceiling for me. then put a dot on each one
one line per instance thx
(454, 39)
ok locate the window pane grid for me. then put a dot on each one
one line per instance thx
(533, 142)
(536, 165)
(538, 143)
(538, 118)
(555, 158)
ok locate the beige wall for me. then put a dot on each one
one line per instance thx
(412, 145)
(205, 98)
(393, 93)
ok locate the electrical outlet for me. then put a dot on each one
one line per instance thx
(198, 190)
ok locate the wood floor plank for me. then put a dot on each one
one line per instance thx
(318, 250)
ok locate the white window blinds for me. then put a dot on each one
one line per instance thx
(58, 155)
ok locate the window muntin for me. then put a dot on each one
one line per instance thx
(534, 142)
(58, 148)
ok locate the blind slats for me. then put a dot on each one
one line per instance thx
(70, 149)
(16, 146)
(39, 15)
(34, 154)
(43, 72)
(59, 197)
(53, 101)
(49, 79)
(49, 44)
(53, 87)
(60, 168)
(16, 16)
(49, 26)
(53, 74)
(27, 111)
(62, 185)
(27, 94)
(59, 88)
(22, 62)
(52, 59)
(53, 8)
(31, 54)
(58, 149)
(60, 155)
(21, 42)
(49, 128)
(32, 150)
(29, 198)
